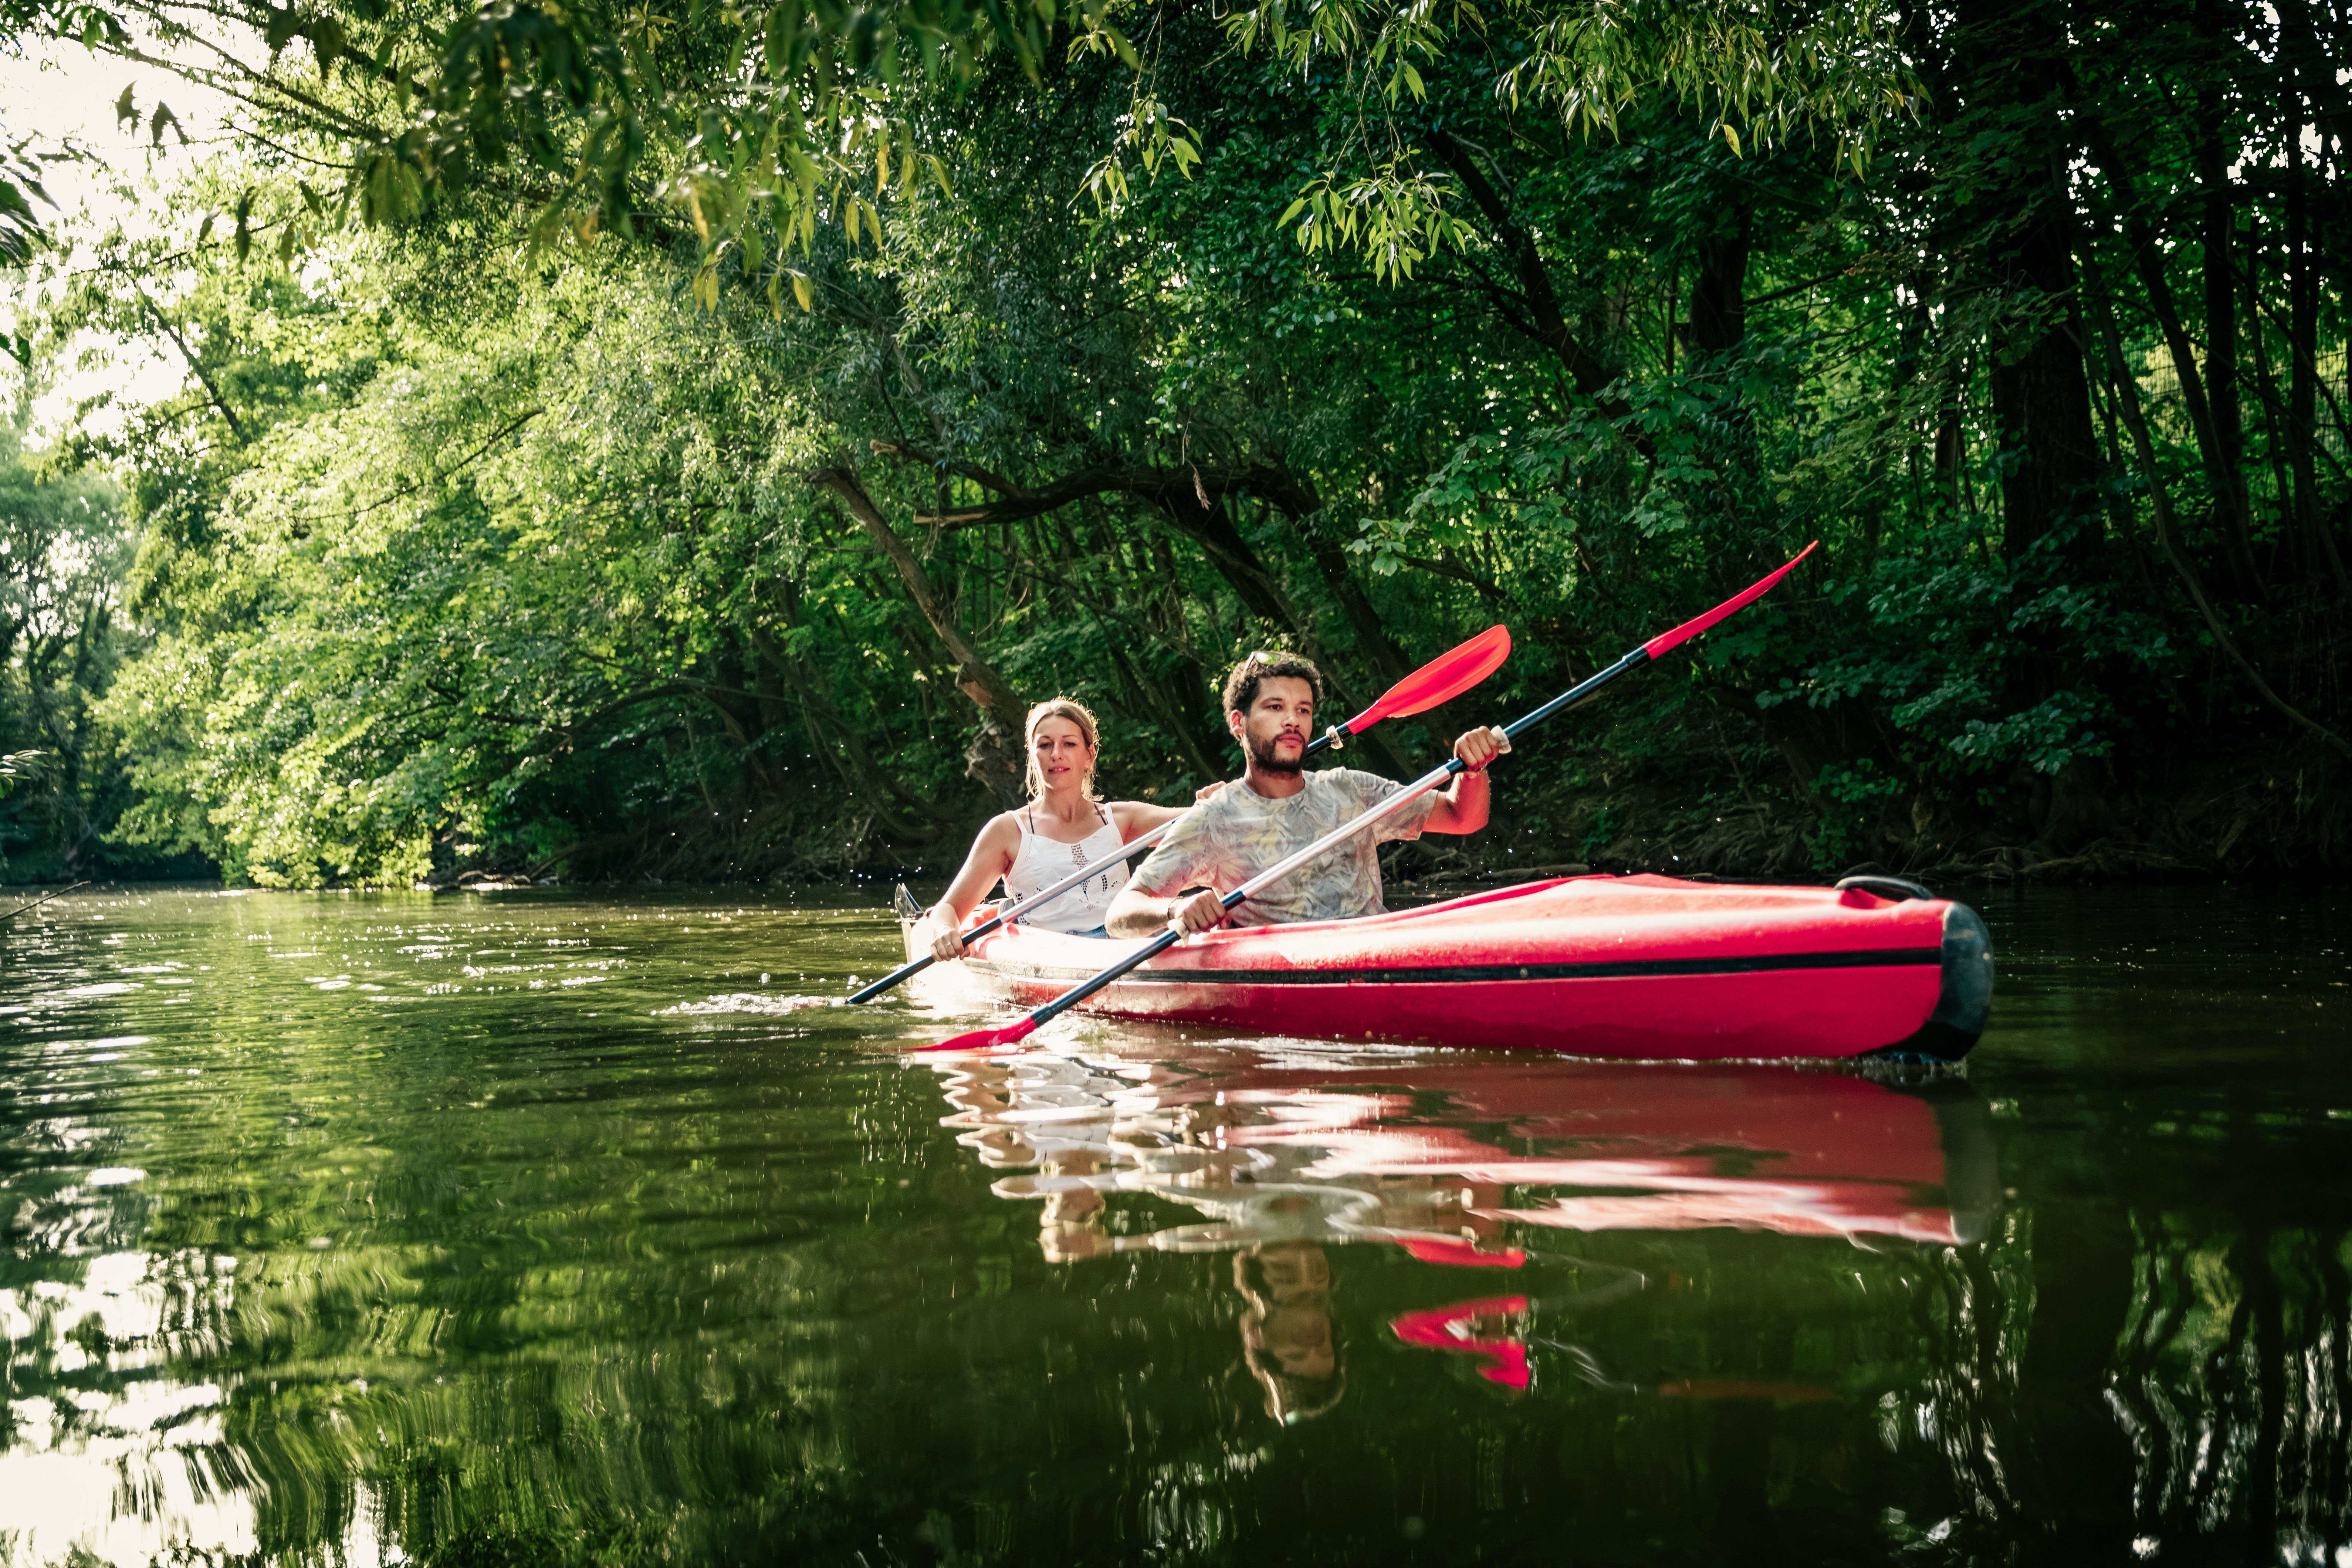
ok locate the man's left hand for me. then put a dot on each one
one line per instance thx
(1479, 747)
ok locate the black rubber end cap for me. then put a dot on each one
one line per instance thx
(1966, 1001)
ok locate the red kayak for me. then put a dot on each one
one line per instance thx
(1649, 967)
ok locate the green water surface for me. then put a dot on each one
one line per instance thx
(547, 1228)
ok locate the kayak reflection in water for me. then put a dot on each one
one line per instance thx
(1467, 1163)
(1279, 809)
(1286, 1339)
(1063, 827)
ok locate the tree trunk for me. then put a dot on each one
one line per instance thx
(1718, 301)
(1719, 322)
(1150, 694)
(2303, 324)
(1952, 435)
(995, 757)
(1302, 508)
(2264, 383)
(1331, 563)
(1533, 307)
(2220, 259)
(2126, 396)
(2043, 406)
(2009, 57)
(1210, 526)
(2147, 257)
(838, 746)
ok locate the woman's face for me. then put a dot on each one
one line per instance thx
(1062, 753)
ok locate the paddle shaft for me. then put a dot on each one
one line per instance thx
(1420, 786)
(1124, 852)
(37, 904)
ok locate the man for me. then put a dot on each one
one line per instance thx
(1280, 808)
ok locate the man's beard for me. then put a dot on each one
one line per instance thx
(1263, 757)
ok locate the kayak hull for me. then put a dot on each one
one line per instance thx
(1649, 967)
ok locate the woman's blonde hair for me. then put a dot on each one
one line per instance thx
(1077, 713)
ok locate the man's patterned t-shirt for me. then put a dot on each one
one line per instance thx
(1236, 833)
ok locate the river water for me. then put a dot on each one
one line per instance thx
(540, 1228)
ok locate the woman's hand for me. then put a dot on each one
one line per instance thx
(939, 925)
(1206, 790)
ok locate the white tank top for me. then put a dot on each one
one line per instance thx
(1042, 862)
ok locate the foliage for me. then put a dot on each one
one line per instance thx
(63, 551)
(758, 125)
(458, 551)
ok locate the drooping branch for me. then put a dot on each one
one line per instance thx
(978, 678)
(1545, 321)
(212, 390)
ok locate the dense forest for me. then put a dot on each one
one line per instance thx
(682, 446)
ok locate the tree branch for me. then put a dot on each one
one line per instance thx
(236, 426)
(977, 676)
(2126, 397)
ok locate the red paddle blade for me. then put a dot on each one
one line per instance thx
(984, 1039)
(1746, 596)
(1442, 679)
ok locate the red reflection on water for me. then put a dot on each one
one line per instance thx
(1483, 1328)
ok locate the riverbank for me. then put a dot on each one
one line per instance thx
(1696, 806)
(1641, 797)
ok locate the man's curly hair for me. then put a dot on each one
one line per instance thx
(1240, 685)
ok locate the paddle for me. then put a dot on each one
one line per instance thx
(990, 1039)
(1442, 678)
(37, 904)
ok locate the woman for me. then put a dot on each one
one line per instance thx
(1063, 827)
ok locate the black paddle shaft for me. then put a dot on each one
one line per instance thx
(1577, 693)
(1456, 766)
(907, 971)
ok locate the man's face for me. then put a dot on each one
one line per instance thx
(1280, 721)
